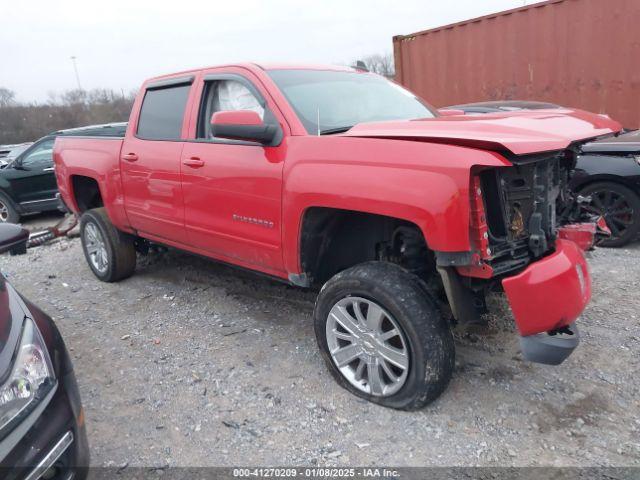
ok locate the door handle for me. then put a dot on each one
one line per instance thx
(193, 162)
(130, 157)
(48, 169)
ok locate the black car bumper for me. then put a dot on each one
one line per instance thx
(55, 442)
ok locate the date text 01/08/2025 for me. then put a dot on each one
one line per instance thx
(319, 472)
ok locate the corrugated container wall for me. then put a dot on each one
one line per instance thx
(578, 53)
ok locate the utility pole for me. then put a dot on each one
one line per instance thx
(75, 69)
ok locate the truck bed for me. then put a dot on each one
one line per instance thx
(95, 157)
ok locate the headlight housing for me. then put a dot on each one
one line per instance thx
(31, 376)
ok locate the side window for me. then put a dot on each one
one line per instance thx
(39, 157)
(233, 95)
(162, 113)
(228, 95)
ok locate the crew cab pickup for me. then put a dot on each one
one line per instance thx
(339, 179)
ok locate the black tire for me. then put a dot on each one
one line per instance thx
(427, 333)
(621, 208)
(8, 211)
(120, 249)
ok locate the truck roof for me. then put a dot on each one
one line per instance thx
(304, 66)
(260, 66)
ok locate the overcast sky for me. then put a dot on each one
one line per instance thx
(119, 43)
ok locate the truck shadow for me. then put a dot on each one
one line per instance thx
(269, 301)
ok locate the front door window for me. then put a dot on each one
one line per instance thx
(228, 95)
(40, 157)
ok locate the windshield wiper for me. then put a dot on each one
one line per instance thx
(329, 131)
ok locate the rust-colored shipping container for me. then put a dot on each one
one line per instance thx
(578, 53)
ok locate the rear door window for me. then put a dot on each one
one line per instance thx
(162, 113)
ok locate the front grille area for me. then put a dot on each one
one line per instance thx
(520, 205)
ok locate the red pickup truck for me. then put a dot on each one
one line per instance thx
(337, 178)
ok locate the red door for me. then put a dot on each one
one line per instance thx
(150, 164)
(233, 189)
(152, 189)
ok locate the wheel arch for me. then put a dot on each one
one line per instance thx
(5, 197)
(4, 183)
(7, 192)
(332, 239)
(617, 168)
(85, 192)
(601, 178)
(440, 215)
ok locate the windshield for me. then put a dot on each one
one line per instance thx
(329, 101)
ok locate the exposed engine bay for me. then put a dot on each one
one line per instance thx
(525, 205)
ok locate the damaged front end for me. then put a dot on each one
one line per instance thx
(527, 241)
(522, 204)
(547, 298)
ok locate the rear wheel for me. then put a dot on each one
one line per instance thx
(383, 337)
(620, 208)
(110, 253)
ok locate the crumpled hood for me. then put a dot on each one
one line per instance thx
(522, 132)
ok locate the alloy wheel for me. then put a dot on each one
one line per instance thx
(614, 208)
(4, 212)
(368, 346)
(96, 248)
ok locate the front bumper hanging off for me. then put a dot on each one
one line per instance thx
(546, 299)
(550, 349)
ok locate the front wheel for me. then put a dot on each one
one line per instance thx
(620, 208)
(383, 337)
(8, 213)
(110, 253)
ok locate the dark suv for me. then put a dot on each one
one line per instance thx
(28, 184)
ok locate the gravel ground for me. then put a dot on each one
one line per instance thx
(192, 363)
